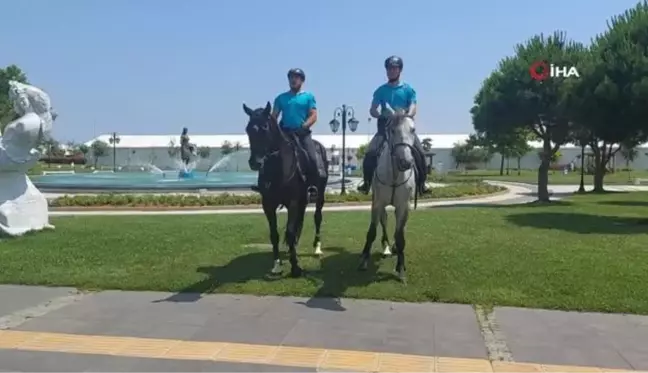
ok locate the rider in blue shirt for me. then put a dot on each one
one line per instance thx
(298, 111)
(398, 95)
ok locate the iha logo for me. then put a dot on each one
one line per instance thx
(542, 70)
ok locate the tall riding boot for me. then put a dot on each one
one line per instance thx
(368, 169)
(422, 174)
(311, 180)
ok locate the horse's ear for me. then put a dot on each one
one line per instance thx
(247, 110)
(268, 108)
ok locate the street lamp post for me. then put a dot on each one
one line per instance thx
(581, 187)
(114, 140)
(346, 117)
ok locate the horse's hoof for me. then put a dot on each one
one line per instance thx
(318, 249)
(364, 265)
(296, 271)
(276, 269)
(400, 272)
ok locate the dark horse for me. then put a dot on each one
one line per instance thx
(276, 155)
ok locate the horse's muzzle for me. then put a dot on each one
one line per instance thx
(254, 164)
(404, 165)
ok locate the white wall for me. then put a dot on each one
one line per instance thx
(160, 158)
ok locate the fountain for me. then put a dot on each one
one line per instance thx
(224, 162)
(154, 169)
(188, 153)
(23, 208)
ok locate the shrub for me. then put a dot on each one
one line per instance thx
(169, 200)
(63, 160)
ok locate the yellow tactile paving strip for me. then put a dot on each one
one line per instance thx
(322, 359)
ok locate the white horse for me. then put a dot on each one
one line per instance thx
(394, 184)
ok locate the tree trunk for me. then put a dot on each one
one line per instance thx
(502, 166)
(508, 166)
(598, 181)
(599, 171)
(543, 180)
(600, 164)
(519, 162)
(543, 172)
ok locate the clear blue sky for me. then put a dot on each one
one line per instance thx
(154, 66)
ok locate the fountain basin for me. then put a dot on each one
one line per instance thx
(147, 182)
(185, 175)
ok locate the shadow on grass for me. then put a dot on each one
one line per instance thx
(580, 223)
(554, 203)
(625, 203)
(337, 272)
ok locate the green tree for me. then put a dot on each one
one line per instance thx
(226, 148)
(629, 153)
(99, 149)
(362, 151)
(466, 155)
(173, 149)
(510, 100)
(84, 149)
(518, 149)
(204, 152)
(11, 72)
(611, 97)
(52, 149)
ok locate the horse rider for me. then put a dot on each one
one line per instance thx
(398, 95)
(298, 110)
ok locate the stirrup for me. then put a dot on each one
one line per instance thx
(313, 193)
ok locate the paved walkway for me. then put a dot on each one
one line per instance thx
(516, 193)
(43, 329)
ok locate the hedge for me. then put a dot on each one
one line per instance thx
(174, 200)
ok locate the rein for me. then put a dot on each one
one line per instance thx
(273, 130)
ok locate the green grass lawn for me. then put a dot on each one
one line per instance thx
(587, 254)
(531, 176)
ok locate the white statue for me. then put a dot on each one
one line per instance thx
(23, 208)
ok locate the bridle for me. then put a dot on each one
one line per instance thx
(392, 146)
(272, 147)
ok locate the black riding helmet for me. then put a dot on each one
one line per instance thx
(394, 61)
(298, 72)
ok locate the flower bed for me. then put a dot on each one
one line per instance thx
(197, 201)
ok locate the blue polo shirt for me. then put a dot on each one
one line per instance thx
(400, 96)
(294, 108)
